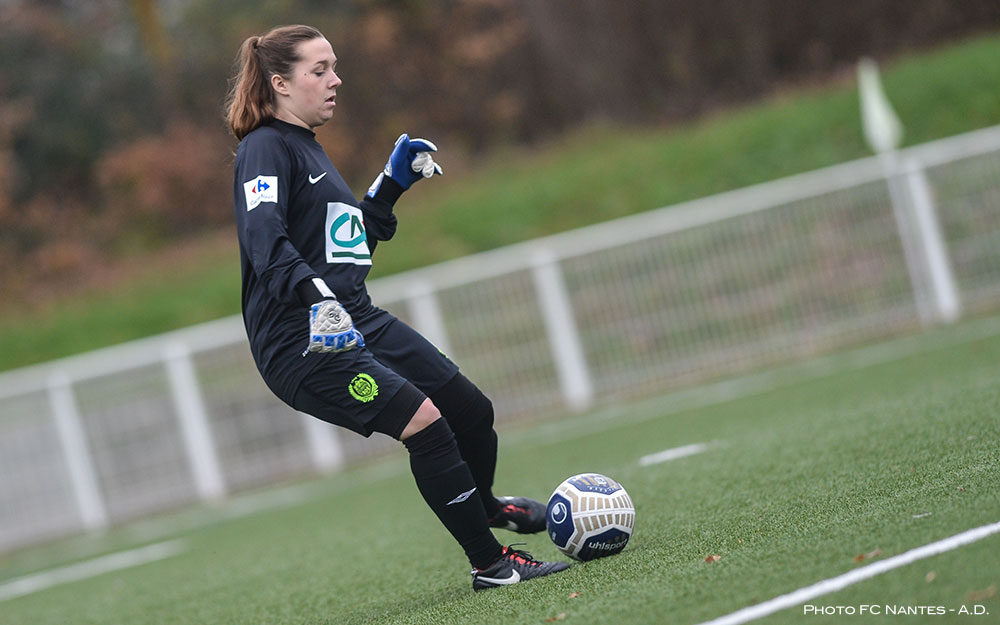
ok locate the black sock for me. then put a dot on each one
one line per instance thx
(446, 484)
(470, 415)
(482, 446)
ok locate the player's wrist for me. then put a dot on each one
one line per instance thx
(387, 191)
(313, 290)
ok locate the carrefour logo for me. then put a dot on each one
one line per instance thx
(260, 189)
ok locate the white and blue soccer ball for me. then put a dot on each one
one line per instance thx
(590, 516)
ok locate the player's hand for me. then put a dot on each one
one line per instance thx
(410, 161)
(331, 329)
(423, 163)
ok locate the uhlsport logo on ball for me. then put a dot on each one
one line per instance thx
(590, 516)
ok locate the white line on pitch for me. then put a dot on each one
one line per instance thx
(675, 453)
(91, 568)
(840, 582)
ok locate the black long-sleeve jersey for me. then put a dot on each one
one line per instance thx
(297, 222)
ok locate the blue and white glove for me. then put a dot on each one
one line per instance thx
(331, 329)
(409, 162)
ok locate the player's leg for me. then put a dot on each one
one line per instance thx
(440, 472)
(354, 390)
(470, 414)
(443, 478)
(467, 410)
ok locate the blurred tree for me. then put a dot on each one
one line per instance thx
(72, 65)
(154, 37)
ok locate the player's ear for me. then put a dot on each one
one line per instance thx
(279, 84)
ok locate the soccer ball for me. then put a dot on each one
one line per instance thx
(590, 516)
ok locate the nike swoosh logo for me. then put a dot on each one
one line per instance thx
(462, 497)
(514, 578)
(316, 179)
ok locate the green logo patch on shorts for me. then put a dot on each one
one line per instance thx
(363, 387)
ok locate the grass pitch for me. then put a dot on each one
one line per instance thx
(862, 455)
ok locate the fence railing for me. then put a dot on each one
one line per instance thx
(766, 274)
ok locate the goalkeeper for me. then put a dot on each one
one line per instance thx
(306, 248)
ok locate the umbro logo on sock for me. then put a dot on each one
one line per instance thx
(462, 497)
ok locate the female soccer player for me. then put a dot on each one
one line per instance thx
(321, 346)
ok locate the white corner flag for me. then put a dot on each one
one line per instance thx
(882, 127)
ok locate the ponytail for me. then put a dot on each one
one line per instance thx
(250, 101)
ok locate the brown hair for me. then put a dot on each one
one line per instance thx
(250, 102)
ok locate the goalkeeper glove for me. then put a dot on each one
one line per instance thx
(331, 329)
(409, 162)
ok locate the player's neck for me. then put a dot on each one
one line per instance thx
(287, 117)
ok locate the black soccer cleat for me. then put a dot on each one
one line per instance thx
(520, 514)
(513, 566)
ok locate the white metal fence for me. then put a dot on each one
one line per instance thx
(712, 287)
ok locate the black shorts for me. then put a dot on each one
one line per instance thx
(377, 388)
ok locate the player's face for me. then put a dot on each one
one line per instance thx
(308, 96)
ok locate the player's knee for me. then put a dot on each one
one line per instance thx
(425, 415)
(480, 413)
(464, 406)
